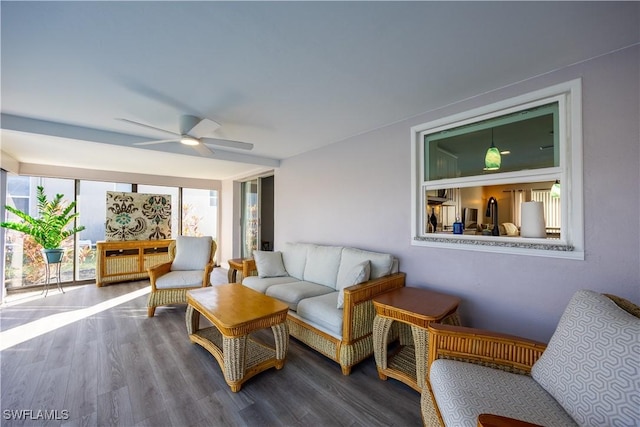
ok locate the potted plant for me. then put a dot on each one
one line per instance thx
(50, 228)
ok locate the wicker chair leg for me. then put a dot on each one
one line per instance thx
(430, 413)
(346, 370)
(151, 311)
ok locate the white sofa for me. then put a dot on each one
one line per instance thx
(329, 290)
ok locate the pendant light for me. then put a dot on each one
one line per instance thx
(555, 189)
(492, 158)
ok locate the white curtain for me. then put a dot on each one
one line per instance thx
(551, 207)
(517, 197)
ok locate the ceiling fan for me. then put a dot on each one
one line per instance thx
(192, 132)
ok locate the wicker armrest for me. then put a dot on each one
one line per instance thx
(206, 277)
(369, 289)
(157, 271)
(356, 295)
(249, 267)
(508, 352)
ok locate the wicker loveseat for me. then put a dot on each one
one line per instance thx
(329, 290)
(587, 375)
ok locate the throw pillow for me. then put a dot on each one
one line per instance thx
(192, 253)
(269, 264)
(591, 363)
(359, 273)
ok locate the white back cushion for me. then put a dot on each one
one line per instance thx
(294, 256)
(269, 264)
(322, 265)
(380, 263)
(592, 362)
(192, 253)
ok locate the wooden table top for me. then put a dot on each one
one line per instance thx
(416, 305)
(233, 307)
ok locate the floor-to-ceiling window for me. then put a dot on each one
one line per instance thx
(199, 212)
(195, 209)
(24, 263)
(92, 204)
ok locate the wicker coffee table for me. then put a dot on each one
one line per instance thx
(414, 309)
(235, 311)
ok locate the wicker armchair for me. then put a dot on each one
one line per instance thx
(192, 261)
(517, 355)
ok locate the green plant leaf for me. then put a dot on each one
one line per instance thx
(49, 229)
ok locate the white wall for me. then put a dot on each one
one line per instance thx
(229, 244)
(357, 193)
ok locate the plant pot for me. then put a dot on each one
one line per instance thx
(53, 256)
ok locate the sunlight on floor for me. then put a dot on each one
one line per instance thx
(39, 327)
(22, 297)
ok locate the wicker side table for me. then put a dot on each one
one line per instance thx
(235, 266)
(413, 309)
(236, 311)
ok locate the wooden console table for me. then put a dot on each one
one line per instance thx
(414, 309)
(118, 261)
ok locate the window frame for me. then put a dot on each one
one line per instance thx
(569, 172)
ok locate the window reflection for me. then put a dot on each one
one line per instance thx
(526, 140)
(444, 206)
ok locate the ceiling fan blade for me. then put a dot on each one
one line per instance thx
(203, 128)
(227, 143)
(147, 126)
(203, 150)
(160, 141)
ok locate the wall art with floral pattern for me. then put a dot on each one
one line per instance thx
(137, 216)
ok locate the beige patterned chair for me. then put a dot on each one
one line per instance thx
(192, 260)
(587, 375)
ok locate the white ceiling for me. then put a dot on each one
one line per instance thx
(287, 76)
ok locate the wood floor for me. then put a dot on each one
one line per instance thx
(99, 361)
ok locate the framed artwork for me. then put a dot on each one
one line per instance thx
(137, 216)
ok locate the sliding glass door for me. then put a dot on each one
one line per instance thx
(249, 225)
(257, 215)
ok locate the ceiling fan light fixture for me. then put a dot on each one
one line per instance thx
(189, 140)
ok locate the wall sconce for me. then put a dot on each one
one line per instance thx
(492, 159)
(555, 189)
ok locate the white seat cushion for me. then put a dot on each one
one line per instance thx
(592, 362)
(180, 279)
(321, 311)
(292, 293)
(261, 284)
(192, 253)
(463, 391)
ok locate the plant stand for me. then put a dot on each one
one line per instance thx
(52, 270)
